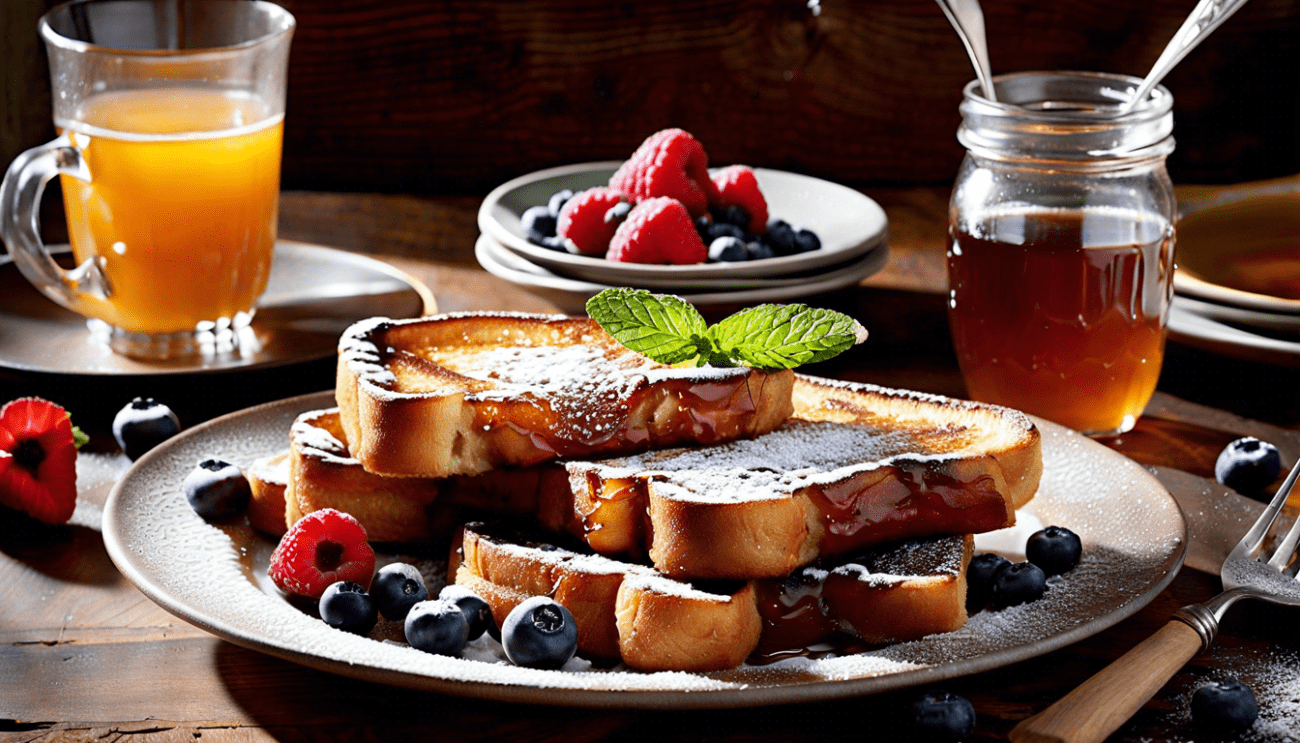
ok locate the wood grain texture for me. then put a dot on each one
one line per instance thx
(454, 98)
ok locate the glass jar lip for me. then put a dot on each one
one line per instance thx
(1111, 90)
(281, 24)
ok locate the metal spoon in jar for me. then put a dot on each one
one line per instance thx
(1207, 16)
(968, 19)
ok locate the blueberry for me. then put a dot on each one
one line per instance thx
(780, 235)
(702, 225)
(539, 633)
(1248, 465)
(142, 425)
(346, 605)
(759, 250)
(737, 215)
(1224, 705)
(396, 588)
(728, 249)
(943, 715)
(807, 240)
(438, 627)
(618, 212)
(538, 223)
(557, 201)
(216, 489)
(981, 572)
(553, 243)
(1055, 549)
(478, 614)
(1018, 583)
(722, 229)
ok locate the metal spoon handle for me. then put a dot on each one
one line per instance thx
(1207, 16)
(967, 18)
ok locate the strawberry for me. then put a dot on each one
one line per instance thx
(322, 548)
(658, 230)
(737, 186)
(38, 460)
(583, 219)
(669, 163)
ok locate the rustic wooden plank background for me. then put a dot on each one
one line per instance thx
(452, 98)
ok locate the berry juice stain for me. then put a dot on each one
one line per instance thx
(1061, 313)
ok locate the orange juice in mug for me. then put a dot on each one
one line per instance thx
(182, 204)
(170, 118)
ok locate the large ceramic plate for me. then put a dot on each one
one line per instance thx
(215, 577)
(1206, 326)
(847, 222)
(571, 295)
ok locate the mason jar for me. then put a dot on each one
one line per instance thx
(1061, 247)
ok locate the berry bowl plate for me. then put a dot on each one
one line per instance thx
(847, 223)
(215, 577)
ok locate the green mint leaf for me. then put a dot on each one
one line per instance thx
(79, 437)
(785, 336)
(664, 328)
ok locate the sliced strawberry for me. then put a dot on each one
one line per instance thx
(322, 548)
(658, 230)
(737, 186)
(38, 467)
(668, 163)
(583, 219)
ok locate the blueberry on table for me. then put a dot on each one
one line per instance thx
(1224, 705)
(216, 489)
(1018, 583)
(396, 588)
(346, 605)
(538, 223)
(539, 633)
(478, 614)
(781, 236)
(1055, 549)
(941, 715)
(143, 424)
(1248, 465)
(728, 250)
(438, 627)
(981, 572)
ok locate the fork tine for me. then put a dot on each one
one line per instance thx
(1255, 537)
(1286, 549)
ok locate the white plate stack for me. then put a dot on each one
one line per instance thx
(1237, 285)
(852, 229)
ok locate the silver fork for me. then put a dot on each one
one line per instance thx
(1257, 568)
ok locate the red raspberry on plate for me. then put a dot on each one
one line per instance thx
(658, 230)
(38, 460)
(583, 219)
(669, 163)
(737, 186)
(324, 547)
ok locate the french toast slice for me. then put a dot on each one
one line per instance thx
(632, 613)
(859, 465)
(461, 394)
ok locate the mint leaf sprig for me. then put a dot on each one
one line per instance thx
(669, 330)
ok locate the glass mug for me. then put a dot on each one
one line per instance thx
(170, 120)
(1061, 247)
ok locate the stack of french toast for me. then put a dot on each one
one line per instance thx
(691, 519)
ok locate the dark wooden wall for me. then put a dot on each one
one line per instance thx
(457, 96)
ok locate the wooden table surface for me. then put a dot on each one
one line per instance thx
(85, 656)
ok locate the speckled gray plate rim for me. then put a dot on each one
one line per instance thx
(847, 222)
(1133, 532)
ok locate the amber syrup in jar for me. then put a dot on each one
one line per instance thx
(1061, 313)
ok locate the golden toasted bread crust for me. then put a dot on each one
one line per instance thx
(268, 479)
(467, 393)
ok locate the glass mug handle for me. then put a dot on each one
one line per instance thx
(20, 201)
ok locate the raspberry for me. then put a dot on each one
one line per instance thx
(669, 163)
(658, 230)
(737, 186)
(582, 220)
(38, 460)
(324, 547)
